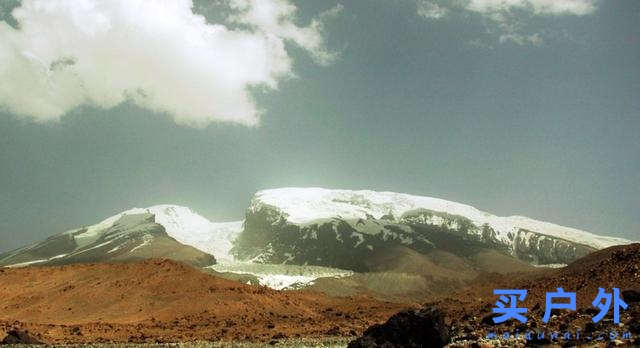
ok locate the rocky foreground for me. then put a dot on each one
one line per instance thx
(465, 319)
(165, 301)
(158, 301)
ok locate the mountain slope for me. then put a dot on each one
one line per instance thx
(156, 301)
(343, 228)
(398, 245)
(127, 236)
(187, 227)
(470, 309)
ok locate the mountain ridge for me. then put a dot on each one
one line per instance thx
(125, 237)
(308, 209)
(342, 229)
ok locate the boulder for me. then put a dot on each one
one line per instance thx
(412, 328)
(16, 336)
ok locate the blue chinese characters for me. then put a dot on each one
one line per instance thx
(507, 304)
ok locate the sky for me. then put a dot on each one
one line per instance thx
(517, 107)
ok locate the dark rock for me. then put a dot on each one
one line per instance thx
(591, 311)
(590, 327)
(412, 328)
(538, 341)
(467, 328)
(15, 336)
(634, 323)
(76, 331)
(279, 336)
(634, 328)
(334, 331)
(488, 320)
(631, 296)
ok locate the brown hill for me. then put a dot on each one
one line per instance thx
(469, 311)
(402, 274)
(130, 238)
(161, 300)
(617, 266)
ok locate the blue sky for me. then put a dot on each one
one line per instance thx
(524, 107)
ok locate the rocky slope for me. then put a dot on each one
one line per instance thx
(468, 312)
(165, 301)
(390, 245)
(128, 236)
(402, 274)
(343, 228)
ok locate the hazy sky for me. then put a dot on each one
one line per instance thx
(527, 107)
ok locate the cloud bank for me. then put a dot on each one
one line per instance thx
(157, 54)
(507, 16)
(429, 9)
(541, 7)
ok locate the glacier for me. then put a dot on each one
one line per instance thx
(292, 236)
(182, 224)
(308, 205)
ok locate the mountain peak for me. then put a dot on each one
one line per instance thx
(187, 227)
(305, 205)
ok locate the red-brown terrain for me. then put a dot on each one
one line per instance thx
(166, 301)
(465, 318)
(469, 311)
(617, 266)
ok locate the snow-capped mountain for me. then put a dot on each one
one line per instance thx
(163, 231)
(188, 227)
(289, 231)
(339, 228)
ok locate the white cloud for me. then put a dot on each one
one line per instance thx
(543, 7)
(508, 16)
(533, 39)
(429, 9)
(276, 17)
(157, 54)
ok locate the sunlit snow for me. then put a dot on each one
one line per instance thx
(281, 276)
(182, 224)
(306, 205)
